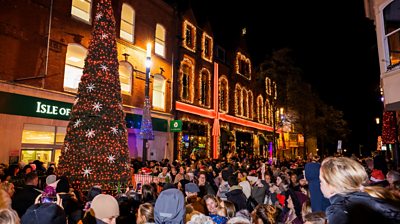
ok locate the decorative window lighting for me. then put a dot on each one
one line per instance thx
(207, 45)
(223, 94)
(189, 36)
(204, 87)
(186, 80)
(243, 65)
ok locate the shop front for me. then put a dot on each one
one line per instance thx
(34, 123)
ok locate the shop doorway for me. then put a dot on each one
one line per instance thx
(244, 143)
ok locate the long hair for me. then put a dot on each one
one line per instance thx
(147, 210)
(346, 176)
(267, 213)
(8, 216)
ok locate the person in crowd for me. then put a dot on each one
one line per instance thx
(5, 199)
(378, 178)
(204, 186)
(170, 207)
(224, 185)
(173, 174)
(104, 209)
(200, 219)
(292, 209)
(149, 194)
(70, 202)
(181, 175)
(236, 194)
(8, 216)
(343, 181)
(164, 175)
(44, 213)
(145, 214)
(315, 218)
(259, 189)
(245, 183)
(191, 191)
(311, 172)
(264, 214)
(26, 196)
(93, 192)
(213, 205)
(392, 176)
(230, 208)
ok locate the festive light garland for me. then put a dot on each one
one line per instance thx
(190, 64)
(238, 100)
(268, 86)
(210, 47)
(251, 108)
(275, 90)
(187, 24)
(267, 112)
(260, 109)
(245, 105)
(241, 57)
(388, 127)
(205, 71)
(223, 84)
(189, 119)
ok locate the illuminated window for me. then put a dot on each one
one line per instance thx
(159, 91)
(207, 45)
(238, 100)
(392, 33)
(160, 40)
(74, 63)
(186, 80)
(125, 77)
(189, 36)
(268, 114)
(268, 86)
(243, 65)
(223, 94)
(205, 84)
(81, 9)
(127, 23)
(38, 134)
(260, 109)
(245, 103)
(250, 101)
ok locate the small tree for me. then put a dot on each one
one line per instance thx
(95, 150)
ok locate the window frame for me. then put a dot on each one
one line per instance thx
(71, 65)
(77, 17)
(129, 23)
(161, 42)
(161, 78)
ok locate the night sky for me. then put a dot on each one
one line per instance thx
(334, 43)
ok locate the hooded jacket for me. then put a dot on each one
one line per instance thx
(170, 207)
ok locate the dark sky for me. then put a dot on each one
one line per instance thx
(334, 43)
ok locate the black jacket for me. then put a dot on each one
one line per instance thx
(359, 207)
(238, 198)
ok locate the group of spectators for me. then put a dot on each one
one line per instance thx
(247, 190)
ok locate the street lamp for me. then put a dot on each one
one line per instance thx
(146, 128)
(377, 120)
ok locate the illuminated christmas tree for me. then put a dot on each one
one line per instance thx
(95, 150)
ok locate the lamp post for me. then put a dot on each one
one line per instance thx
(146, 128)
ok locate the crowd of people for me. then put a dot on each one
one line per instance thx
(235, 190)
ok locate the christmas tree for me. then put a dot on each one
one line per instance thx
(95, 150)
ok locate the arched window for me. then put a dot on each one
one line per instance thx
(245, 100)
(204, 86)
(223, 94)
(125, 77)
(238, 100)
(186, 80)
(260, 109)
(159, 92)
(82, 9)
(268, 86)
(250, 101)
(74, 63)
(127, 28)
(160, 40)
(268, 114)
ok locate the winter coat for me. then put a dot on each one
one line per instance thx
(24, 198)
(238, 198)
(360, 207)
(318, 202)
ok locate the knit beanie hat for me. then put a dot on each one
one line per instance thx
(104, 206)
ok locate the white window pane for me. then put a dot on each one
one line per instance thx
(160, 32)
(159, 92)
(81, 9)
(159, 49)
(38, 134)
(72, 77)
(61, 131)
(127, 13)
(125, 77)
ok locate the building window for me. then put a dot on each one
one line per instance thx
(159, 92)
(243, 65)
(125, 77)
(268, 86)
(392, 33)
(268, 114)
(260, 109)
(250, 102)
(189, 36)
(238, 100)
(223, 94)
(127, 28)
(160, 40)
(245, 103)
(204, 86)
(186, 80)
(207, 45)
(42, 142)
(220, 54)
(81, 9)
(74, 63)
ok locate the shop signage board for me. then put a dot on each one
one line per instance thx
(175, 125)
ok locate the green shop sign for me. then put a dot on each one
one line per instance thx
(17, 104)
(175, 125)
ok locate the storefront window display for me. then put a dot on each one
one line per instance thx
(42, 142)
(194, 141)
